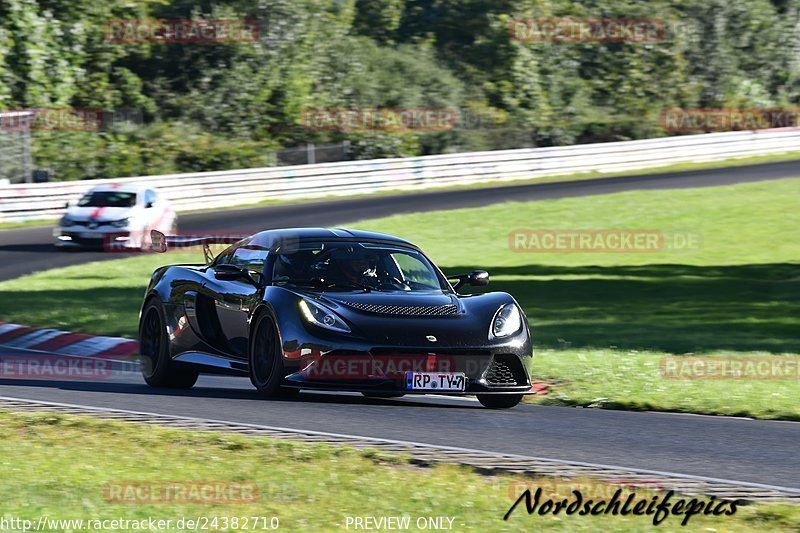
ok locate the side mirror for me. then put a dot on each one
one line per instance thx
(148, 205)
(66, 206)
(158, 242)
(227, 272)
(476, 278)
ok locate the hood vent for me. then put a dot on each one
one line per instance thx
(405, 310)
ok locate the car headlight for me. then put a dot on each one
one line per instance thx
(122, 223)
(66, 221)
(507, 320)
(322, 317)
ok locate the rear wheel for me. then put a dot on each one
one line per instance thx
(499, 401)
(157, 368)
(266, 360)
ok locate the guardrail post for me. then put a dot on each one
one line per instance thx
(27, 165)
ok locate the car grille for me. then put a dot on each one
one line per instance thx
(407, 310)
(505, 370)
(89, 223)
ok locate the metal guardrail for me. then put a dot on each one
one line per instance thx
(248, 186)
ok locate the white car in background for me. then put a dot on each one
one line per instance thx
(116, 217)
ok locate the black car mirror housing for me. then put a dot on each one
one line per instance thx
(227, 272)
(476, 278)
(158, 242)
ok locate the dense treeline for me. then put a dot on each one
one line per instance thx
(207, 106)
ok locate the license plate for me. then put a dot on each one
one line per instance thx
(90, 235)
(436, 381)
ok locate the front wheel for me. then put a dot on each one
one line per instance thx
(266, 360)
(499, 401)
(157, 368)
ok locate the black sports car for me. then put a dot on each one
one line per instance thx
(332, 309)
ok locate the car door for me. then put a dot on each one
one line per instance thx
(234, 299)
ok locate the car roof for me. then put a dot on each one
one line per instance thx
(133, 187)
(270, 237)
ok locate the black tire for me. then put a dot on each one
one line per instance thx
(383, 394)
(499, 401)
(157, 368)
(265, 360)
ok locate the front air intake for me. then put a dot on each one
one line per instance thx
(406, 310)
(505, 370)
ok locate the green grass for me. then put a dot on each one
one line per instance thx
(58, 465)
(591, 175)
(629, 379)
(601, 322)
(101, 298)
(738, 291)
(24, 224)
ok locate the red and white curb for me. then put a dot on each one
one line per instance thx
(57, 342)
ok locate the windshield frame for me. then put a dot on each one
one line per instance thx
(89, 194)
(399, 246)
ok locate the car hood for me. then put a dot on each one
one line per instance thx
(100, 213)
(417, 303)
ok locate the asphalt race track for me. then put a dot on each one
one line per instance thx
(727, 448)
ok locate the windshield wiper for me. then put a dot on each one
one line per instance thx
(349, 285)
(321, 283)
(298, 281)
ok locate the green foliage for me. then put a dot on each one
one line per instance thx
(160, 148)
(379, 19)
(224, 104)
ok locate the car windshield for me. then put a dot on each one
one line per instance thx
(336, 266)
(108, 199)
